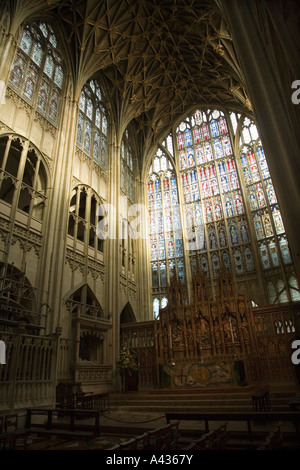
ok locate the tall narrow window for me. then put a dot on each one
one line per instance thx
(83, 223)
(166, 245)
(92, 124)
(29, 192)
(127, 167)
(275, 258)
(231, 214)
(216, 225)
(37, 72)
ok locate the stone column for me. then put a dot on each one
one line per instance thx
(268, 77)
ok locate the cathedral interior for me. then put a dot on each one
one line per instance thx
(149, 198)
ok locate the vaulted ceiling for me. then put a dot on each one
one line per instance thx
(156, 58)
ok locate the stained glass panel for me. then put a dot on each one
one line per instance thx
(37, 53)
(43, 96)
(53, 105)
(18, 71)
(49, 66)
(26, 41)
(30, 83)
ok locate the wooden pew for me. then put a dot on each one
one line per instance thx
(213, 440)
(274, 440)
(250, 416)
(54, 425)
(70, 395)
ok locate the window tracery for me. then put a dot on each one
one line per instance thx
(92, 124)
(37, 73)
(229, 203)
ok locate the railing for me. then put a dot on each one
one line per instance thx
(85, 311)
(28, 377)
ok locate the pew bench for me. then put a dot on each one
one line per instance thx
(70, 395)
(249, 417)
(72, 427)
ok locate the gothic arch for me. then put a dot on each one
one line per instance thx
(127, 315)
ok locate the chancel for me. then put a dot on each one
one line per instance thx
(149, 208)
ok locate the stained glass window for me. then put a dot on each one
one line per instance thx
(92, 124)
(230, 212)
(216, 189)
(127, 167)
(37, 72)
(166, 245)
(266, 215)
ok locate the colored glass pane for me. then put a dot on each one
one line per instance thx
(49, 66)
(43, 96)
(26, 41)
(30, 83)
(37, 53)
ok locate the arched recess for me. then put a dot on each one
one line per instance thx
(19, 301)
(83, 221)
(89, 327)
(83, 302)
(127, 315)
(24, 174)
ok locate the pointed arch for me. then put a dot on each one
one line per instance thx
(127, 315)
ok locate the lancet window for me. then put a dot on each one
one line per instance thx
(37, 74)
(166, 244)
(92, 124)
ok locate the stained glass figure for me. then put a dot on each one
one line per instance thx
(182, 159)
(205, 131)
(188, 137)
(227, 149)
(208, 152)
(180, 140)
(244, 233)
(212, 239)
(226, 260)
(234, 237)
(43, 96)
(208, 212)
(238, 261)
(200, 154)
(197, 134)
(87, 137)
(228, 207)
(264, 254)
(214, 128)
(267, 224)
(224, 184)
(26, 41)
(191, 159)
(171, 250)
(271, 193)
(30, 82)
(239, 208)
(273, 253)
(222, 236)
(249, 261)
(258, 227)
(215, 264)
(277, 220)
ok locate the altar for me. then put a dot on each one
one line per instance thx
(204, 343)
(199, 374)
